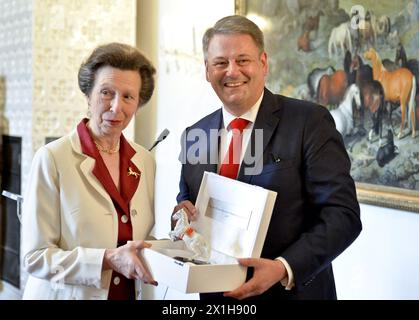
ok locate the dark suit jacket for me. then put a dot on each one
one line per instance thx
(316, 215)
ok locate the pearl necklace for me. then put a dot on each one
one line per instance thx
(108, 151)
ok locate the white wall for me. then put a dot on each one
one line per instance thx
(183, 95)
(381, 264)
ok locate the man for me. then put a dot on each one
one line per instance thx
(316, 214)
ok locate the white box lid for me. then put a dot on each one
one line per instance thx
(233, 216)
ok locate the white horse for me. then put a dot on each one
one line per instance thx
(340, 37)
(343, 114)
(193, 240)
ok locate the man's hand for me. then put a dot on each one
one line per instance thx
(190, 209)
(266, 273)
(126, 261)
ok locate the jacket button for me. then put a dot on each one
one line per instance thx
(124, 219)
(116, 281)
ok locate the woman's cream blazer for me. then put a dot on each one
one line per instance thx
(68, 220)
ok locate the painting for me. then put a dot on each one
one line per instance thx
(358, 59)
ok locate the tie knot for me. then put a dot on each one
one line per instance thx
(238, 124)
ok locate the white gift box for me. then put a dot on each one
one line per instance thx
(234, 218)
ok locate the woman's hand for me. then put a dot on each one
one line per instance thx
(126, 261)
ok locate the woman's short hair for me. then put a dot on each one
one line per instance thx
(120, 56)
(232, 25)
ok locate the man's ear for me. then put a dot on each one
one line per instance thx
(264, 60)
(206, 71)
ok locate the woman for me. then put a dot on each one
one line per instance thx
(89, 200)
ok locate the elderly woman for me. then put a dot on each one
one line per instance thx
(89, 200)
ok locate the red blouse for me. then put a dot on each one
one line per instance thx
(121, 288)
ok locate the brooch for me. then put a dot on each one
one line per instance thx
(133, 173)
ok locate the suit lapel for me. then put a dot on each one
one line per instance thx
(212, 129)
(93, 167)
(130, 173)
(102, 174)
(266, 122)
(87, 166)
(138, 167)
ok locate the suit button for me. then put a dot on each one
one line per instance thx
(133, 212)
(124, 219)
(116, 281)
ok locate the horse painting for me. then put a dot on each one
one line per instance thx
(387, 150)
(411, 64)
(350, 73)
(367, 32)
(314, 77)
(324, 54)
(332, 88)
(303, 42)
(372, 98)
(343, 115)
(340, 37)
(311, 24)
(363, 72)
(399, 86)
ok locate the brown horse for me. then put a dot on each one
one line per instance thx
(312, 23)
(399, 86)
(332, 88)
(303, 42)
(372, 97)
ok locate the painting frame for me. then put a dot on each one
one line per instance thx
(371, 194)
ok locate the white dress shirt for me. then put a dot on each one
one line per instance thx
(226, 135)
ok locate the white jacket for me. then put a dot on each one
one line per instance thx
(69, 220)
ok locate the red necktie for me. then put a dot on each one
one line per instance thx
(230, 166)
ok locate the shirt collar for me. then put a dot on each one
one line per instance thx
(249, 115)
